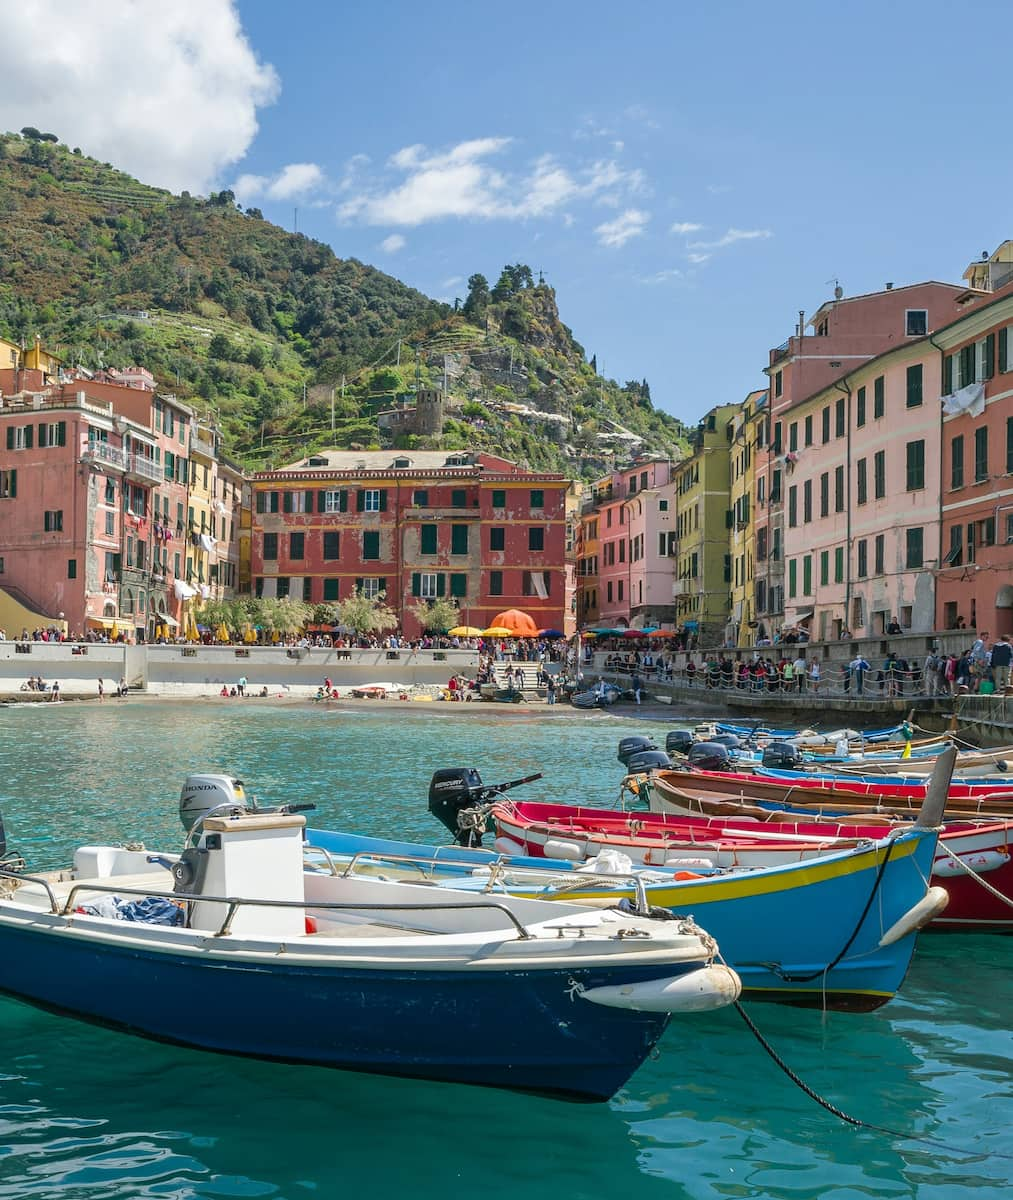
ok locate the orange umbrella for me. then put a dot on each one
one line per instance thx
(661, 633)
(520, 624)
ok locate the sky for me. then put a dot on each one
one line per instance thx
(687, 177)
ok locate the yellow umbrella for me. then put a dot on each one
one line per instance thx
(464, 631)
(223, 633)
(497, 631)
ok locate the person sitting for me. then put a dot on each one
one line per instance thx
(224, 692)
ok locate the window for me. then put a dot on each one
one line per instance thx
(914, 386)
(981, 454)
(914, 540)
(826, 424)
(916, 322)
(839, 489)
(459, 498)
(53, 434)
(459, 539)
(537, 583)
(880, 550)
(332, 545)
(372, 500)
(777, 441)
(915, 466)
(956, 551)
(878, 396)
(608, 591)
(807, 501)
(775, 487)
(427, 534)
(536, 538)
(8, 485)
(860, 407)
(420, 498)
(370, 544)
(879, 474)
(839, 564)
(270, 547)
(428, 585)
(840, 419)
(662, 506)
(825, 494)
(110, 491)
(52, 521)
(778, 383)
(372, 587)
(793, 505)
(283, 586)
(863, 480)
(333, 502)
(793, 436)
(330, 589)
(957, 461)
(538, 498)
(110, 524)
(496, 583)
(1009, 445)
(498, 498)
(824, 567)
(985, 358)
(863, 559)
(792, 577)
(20, 437)
(296, 546)
(808, 437)
(71, 568)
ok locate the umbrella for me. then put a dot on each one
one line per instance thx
(551, 633)
(464, 631)
(633, 633)
(520, 624)
(497, 631)
(661, 633)
(589, 633)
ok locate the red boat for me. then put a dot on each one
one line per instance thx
(973, 859)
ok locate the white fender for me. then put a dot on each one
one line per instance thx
(981, 862)
(698, 991)
(558, 848)
(927, 909)
(505, 845)
(689, 863)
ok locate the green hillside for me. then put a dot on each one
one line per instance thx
(287, 346)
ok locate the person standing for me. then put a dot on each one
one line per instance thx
(638, 687)
(550, 689)
(101, 691)
(814, 675)
(800, 673)
(241, 685)
(858, 668)
(979, 660)
(1002, 654)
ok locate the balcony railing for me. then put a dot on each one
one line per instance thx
(780, 352)
(101, 453)
(144, 468)
(199, 445)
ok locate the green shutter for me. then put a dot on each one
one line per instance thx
(29, 437)
(13, 484)
(948, 373)
(459, 539)
(416, 584)
(286, 502)
(383, 499)
(441, 581)
(10, 437)
(42, 436)
(321, 501)
(261, 502)
(1003, 351)
(274, 502)
(61, 433)
(343, 500)
(382, 581)
(990, 356)
(360, 500)
(428, 536)
(459, 585)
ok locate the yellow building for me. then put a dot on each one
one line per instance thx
(37, 359)
(742, 432)
(200, 549)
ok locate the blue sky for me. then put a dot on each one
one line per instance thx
(687, 176)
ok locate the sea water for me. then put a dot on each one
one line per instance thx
(89, 1113)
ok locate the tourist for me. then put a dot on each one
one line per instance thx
(1002, 653)
(930, 673)
(800, 672)
(979, 660)
(101, 691)
(858, 667)
(122, 689)
(241, 685)
(550, 689)
(54, 691)
(814, 675)
(962, 673)
(224, 693)
(894, 627)
(638, 687)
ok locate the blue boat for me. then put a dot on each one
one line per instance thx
(234, 946)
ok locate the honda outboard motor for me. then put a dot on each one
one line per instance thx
(783, 755)
(709, 756)
(648, 760)
(202, 793)
(678, 741)
(633, 745)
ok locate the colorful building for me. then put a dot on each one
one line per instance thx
(742, 430)
(415, 526)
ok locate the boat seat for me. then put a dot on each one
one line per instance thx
(35, 894)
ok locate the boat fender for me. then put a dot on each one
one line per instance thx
(706, 988)
(981, 863)
(708, 863)
(558, 848)
(505, 845)
(927, 909)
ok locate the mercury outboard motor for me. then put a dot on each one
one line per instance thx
(202, 793)
(709, 756)
(678, 741)
(783, 755)
(453, 791)
(648, 760)
(633, 745)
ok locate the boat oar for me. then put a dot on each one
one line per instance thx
(934, 804)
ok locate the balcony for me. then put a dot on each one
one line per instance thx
(202, 446)
(104, 456)
(146, 469)
(779, 353)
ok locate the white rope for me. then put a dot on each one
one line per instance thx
(974, 875)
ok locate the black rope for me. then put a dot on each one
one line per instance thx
(857, 1121)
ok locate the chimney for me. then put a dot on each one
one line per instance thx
(889, 287)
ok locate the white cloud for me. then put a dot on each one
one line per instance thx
(665, 276)
(628, 224)
(168, 92)
(684, 227)
(392, 244)
(452, 282)
(731, 237)
(462, 183)
(698, 259)
(290, 183)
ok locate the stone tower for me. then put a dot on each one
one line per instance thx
(429, 412)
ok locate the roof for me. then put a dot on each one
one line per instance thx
(386, 460)
(956, 288)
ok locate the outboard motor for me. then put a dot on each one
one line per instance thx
(202, 793)
(455, 790)
(3, 838)
(633, 745)
(783, 755)
(648, 760)
(709, 756)
(731, 740)
(678, 741)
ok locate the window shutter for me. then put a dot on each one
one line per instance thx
(990, 356)
(441, 581)
(358, 586)
(261, 502)
(416, 584)
(343, 500)
(10, 437)
(286, 502)
(321, 501)
(382, 584)
(29, 437)
(61, 433)
(13, 484)
(383, 499)
(42, 436)
(1003, 350)
(948, 374)
(360, 500)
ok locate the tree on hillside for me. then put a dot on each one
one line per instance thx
(477, 304)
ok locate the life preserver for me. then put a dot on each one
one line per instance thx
(633, 783)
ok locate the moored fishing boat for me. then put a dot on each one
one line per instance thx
(307, 966)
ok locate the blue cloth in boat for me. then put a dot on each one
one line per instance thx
(151, 910)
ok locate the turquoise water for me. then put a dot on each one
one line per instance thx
(86, 1113)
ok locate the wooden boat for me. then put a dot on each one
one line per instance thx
(836, 931)
(757, 837)
(280, 962)
(970, 764)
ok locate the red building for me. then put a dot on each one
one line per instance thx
(418, 525)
